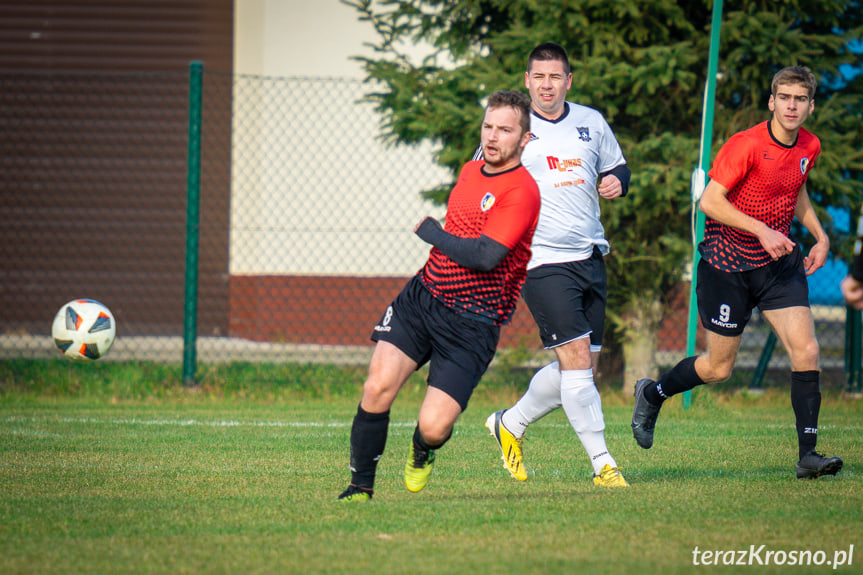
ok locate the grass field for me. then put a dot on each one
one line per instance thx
(241, 479)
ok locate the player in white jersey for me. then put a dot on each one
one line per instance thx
(566, 157)
(575, 159)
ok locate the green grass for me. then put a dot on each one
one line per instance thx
(242, 478)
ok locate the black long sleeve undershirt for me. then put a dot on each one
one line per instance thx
(481, 254)
(857, 264)
(623, 174)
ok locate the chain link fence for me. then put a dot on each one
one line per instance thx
(305, 227)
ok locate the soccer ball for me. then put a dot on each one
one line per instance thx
(84, 330)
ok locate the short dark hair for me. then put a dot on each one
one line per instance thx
(549, 51)
(795, 75)
(516, 100)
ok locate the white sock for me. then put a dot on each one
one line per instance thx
(583, 407)
(541, 398)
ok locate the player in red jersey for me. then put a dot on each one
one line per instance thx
(757, 186)
(450, 313)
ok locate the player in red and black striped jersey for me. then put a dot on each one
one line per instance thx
(763, 178)
(758, 185)
(450, 313)
(493, 206)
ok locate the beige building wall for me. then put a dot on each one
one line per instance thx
(298, 38)
(353, 201)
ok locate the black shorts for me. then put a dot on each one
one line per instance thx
(457, 347)
(567, 300)
(726, 299)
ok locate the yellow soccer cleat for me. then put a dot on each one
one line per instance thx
(610, 477)
(510, 447)
(418, 469)
(354, 494)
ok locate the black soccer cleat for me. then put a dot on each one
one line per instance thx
(813, 465)
(644, 415)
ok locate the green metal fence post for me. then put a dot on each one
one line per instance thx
(853, 350)
(704, 166)
(857, 358)
(193, 196)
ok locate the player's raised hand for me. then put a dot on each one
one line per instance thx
(852, 291)
(817, 257)
(776, 244)
(610, 187)
(425, 222)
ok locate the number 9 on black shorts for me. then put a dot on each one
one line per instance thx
(726, 299)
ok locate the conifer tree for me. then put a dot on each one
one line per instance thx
(643, 64)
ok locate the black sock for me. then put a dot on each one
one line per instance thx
(682, 377)
(806, 401)
(420, 443)
(368, 440)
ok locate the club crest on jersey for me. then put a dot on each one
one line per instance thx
(804, 163)
(487, 202)
(583, 134)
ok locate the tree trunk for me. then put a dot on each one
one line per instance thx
(639, 343)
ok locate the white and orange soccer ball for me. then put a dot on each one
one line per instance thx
(84, 330)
